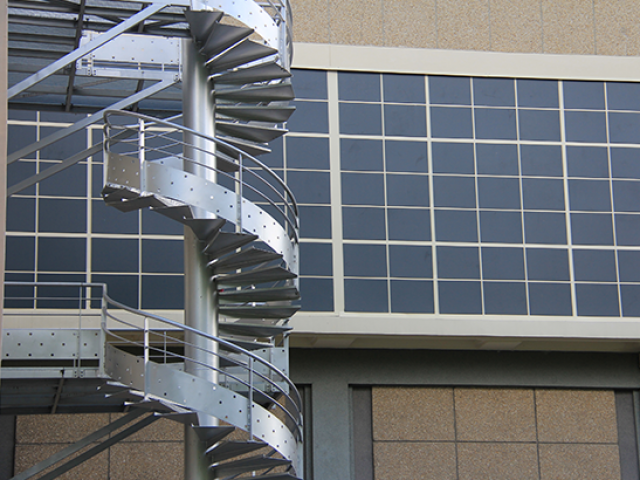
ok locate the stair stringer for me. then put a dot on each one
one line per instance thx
(196, 394)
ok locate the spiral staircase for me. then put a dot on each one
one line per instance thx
(228, 384)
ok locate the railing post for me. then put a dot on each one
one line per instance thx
(141, 153)
(146, 357)
(250, 399)
(79, 339)
(239, 196)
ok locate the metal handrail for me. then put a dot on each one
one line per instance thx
(292, 396)
(288, 199)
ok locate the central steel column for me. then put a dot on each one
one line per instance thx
(200, 304)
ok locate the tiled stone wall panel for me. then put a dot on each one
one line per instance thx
(96, 468)
(162, 430)
(410, 23)
(495, 415)
(59, 428)
(310, 21)
(356, 22)
(413, 414)
(579, 462)
(406, 460)
(516, 26)
(141, 461)
(584, 416)
(489, 461)
(617, 27)
(568, 26)
(463, 25)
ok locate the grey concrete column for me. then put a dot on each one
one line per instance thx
(199, 302)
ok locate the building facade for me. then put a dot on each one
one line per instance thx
(469, 191)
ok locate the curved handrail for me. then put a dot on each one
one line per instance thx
(288, 199)
(296, 400)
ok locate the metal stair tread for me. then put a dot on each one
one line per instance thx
(262, 72)
(244, 258)
(259, 462)
(260, 294)
(226, 450)
(262, 113)
(255, 276)
(201, 23)
(179, 214)
(225, 243)
(249, 131)
(264, 93)
(138, 203)
(213, 434)
(258, 311)
(240, 54)
(221, 37)
(251, 329)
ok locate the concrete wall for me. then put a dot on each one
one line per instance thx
(602, 27)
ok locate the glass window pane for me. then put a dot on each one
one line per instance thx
(458, 262)
(315, 222)
(626, 196)
(357, 86)
(20, 136)
(541, 160)
(21, 170)
(410, 261)
(539, 125)
(589, 127)
(310, 83)
(496, 159)
(62, 215)
(365, 295)
(590, 162)
(310, 117)
(363, 155)
(597, 300)
(363, 223)
(20, 253)
(162, 256)
(316, 259)
(499, 192)
(497, 92)
(505, 298)
(501, 227)
(362, 189)
(594, 265)
(114, 255)
(405, 121)
(452, 158)
(583, 95)
(493, 123)
(162, 292)
(630, 303)
(71, 182)
(365, 260)
(408, 190)
(155, 223)
(545, 227)
(625, 163)
(624, 127)
(543, 194)
(550, 299)
(628, 230)
(454, 192)
(411, 297)
(409, 224)
(451, 122)
(499, 263)
(460, 297)
(61, 254)
(317, 294)
(406, 156)
(590, 195)
(547, 264)
(110, 220)
(309, 187)
(305, 152)
(623, 96)
(403, 88)
(591, 229)
(456, 226)
(629, 265)
(361, 118)
(122, 288)
(537, 93)
(21, 214)
(63, 148)
(450, 90)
